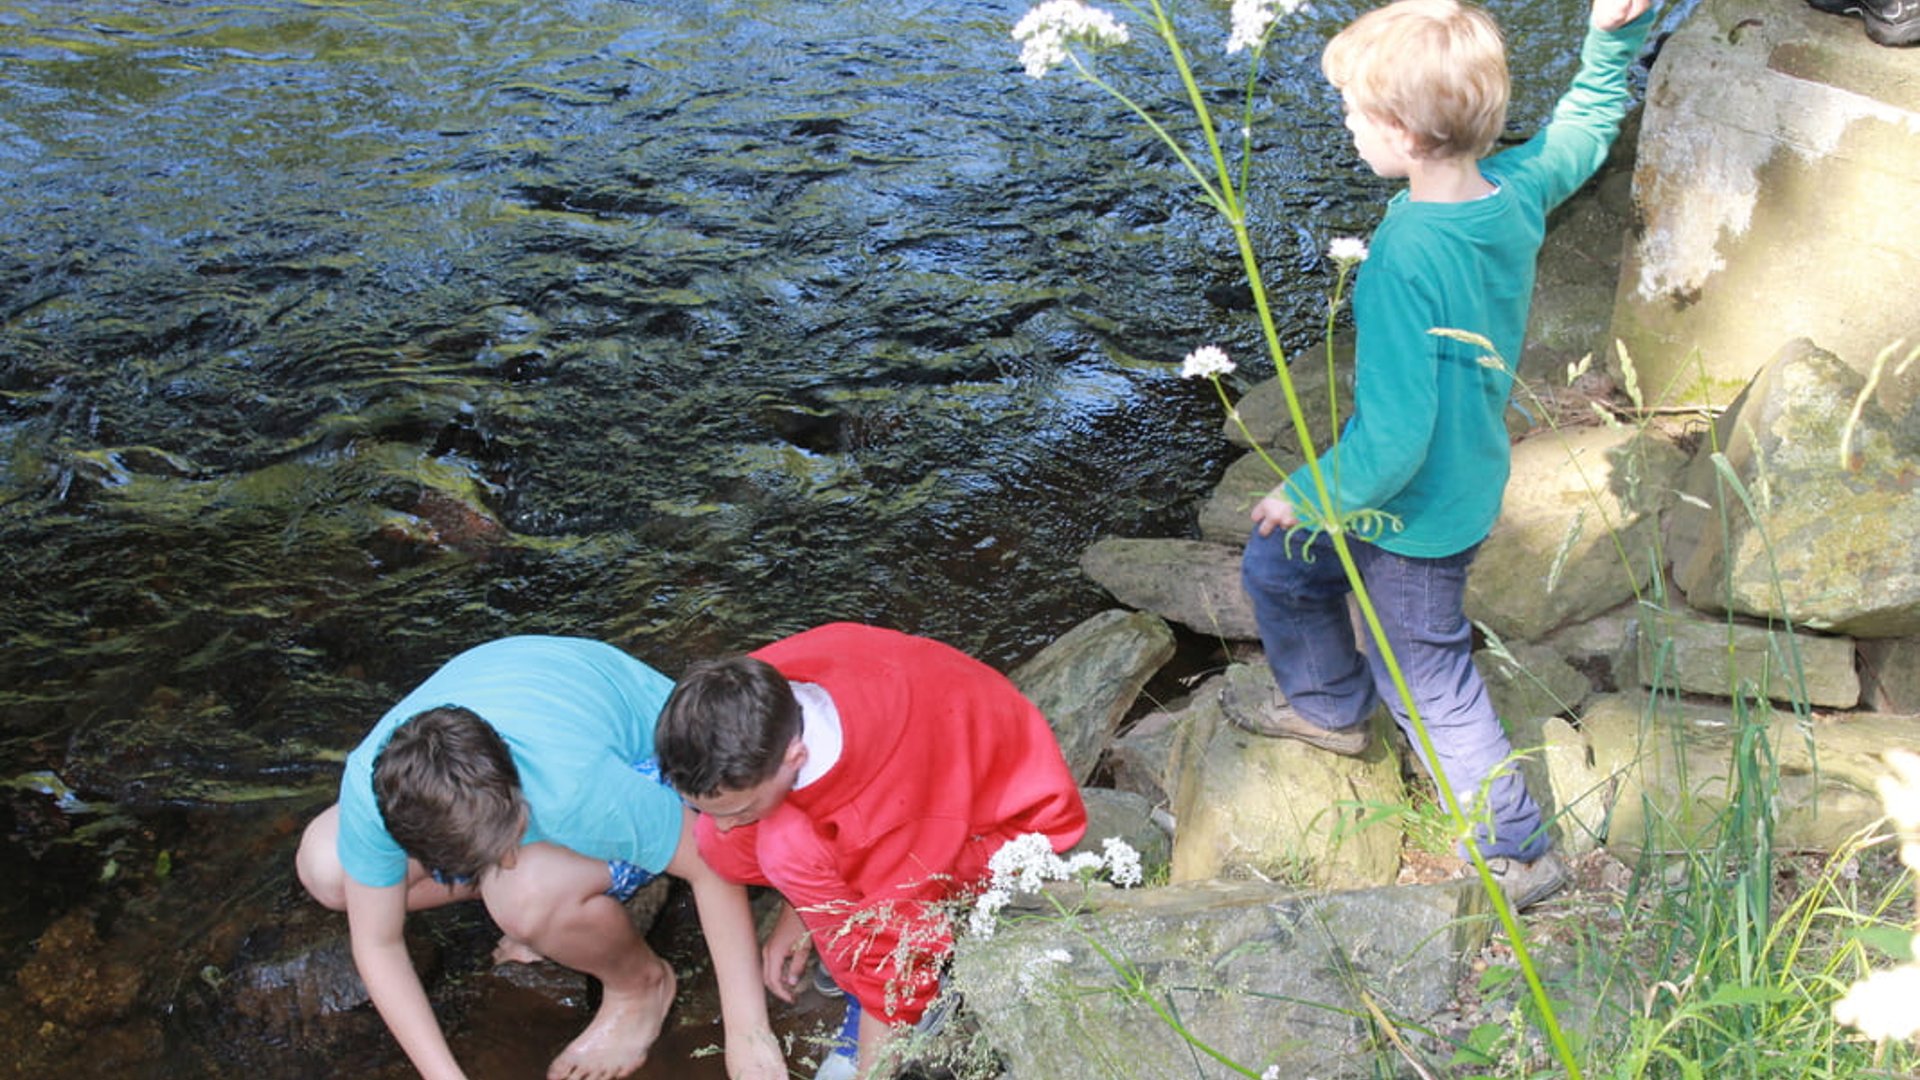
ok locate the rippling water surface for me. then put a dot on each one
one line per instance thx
(338, 335)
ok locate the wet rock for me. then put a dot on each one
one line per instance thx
(1086, 680)
(295, 978)
(1186, 581)
(1276, 981)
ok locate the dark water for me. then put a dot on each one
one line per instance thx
(339, 335)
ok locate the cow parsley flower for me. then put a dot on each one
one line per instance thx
(1123, 863)
(1348, 251)
(1038, 966)
(1251, 18)
(1206, 362)
(1881, 1006)
(986, 912)
(1026, 863)
(1046, 30)
(1900, 792)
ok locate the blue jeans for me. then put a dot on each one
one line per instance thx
(1300, 604)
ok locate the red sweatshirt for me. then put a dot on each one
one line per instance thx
(941, 762)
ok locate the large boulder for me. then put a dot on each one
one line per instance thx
(1276, 981)
(1278, 809)
(1087, 679)
(1577, 499)
(1778, 166)
(1193, 583)
(1776, 138)
(1805, 537)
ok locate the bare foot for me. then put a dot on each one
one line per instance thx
(514, 951)
(616, 1042)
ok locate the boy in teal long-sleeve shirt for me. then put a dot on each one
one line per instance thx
(1425, 88)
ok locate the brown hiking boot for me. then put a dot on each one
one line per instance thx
(1250, 703)
(1527, 883)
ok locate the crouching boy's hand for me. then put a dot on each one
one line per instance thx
(1614, 14)
(755, 1056)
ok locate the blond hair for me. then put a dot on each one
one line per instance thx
(1435, 68)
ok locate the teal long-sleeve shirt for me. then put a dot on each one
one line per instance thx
(1427, 442)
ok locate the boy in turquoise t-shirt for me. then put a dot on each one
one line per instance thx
(1425, 88)
(521, 774)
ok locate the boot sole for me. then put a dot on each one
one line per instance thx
(1896, 35)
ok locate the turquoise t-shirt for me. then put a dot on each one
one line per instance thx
(578, 718)
(1427, 442)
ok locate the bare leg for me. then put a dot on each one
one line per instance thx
(554, 902)
(318, 864)
(512, 950)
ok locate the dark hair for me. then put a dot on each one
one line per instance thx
(726, 727)
(448, 791)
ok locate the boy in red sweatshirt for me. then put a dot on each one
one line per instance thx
(867, 775)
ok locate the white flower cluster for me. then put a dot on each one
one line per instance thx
(1123, 863)
(1347, 250)
(1045, 31)
(1882, 1005)
(1025, 863)
(1251, 18)
(1038, 966)
(1206, 362)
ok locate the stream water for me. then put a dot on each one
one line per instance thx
(339, 335)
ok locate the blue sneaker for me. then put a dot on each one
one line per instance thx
(842, 1062)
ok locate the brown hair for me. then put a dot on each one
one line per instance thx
(448, 791)
(1435, 68)
(726, 727)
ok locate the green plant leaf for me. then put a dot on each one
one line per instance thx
(1892, 942)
